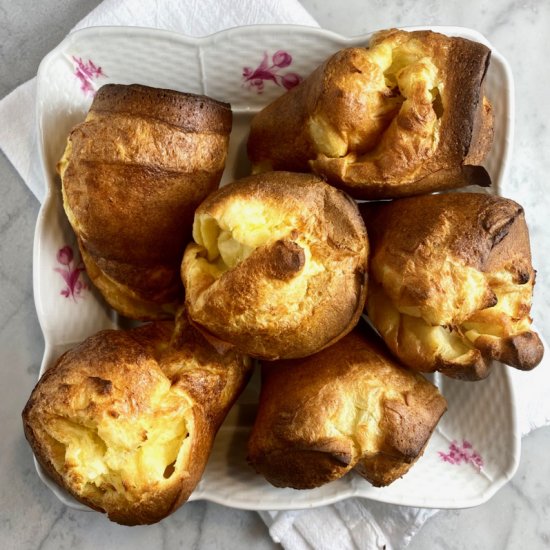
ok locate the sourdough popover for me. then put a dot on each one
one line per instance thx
(132, 175)
(126, 420)
(278, 266)
(451, 283)
(350, 406)
(405, 116)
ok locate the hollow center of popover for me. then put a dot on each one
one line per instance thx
(242, 227)
(388, 79)
(123, 454)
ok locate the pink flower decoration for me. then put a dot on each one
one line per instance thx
(290, 80)
(65, 255)
(87, 72)
(462, 454)
(70, 273)
(255, 78)
(281, 59)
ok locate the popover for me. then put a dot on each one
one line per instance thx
(126, 420)
(350, 406)
(405, 115)
(278, 266)
(132, 175)
(451, 283)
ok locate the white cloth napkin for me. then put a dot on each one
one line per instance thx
(353, 523)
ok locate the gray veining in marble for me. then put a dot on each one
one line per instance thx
(31, 517)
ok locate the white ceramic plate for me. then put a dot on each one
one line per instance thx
(228, 66)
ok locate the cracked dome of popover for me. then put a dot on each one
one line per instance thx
(126, 420)
(405, 115)
(278, 266)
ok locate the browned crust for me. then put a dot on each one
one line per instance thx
(484, 232)
(340, 240)
(479, 368)
(277, 133)
(523, 351)
(189, 112)
(161, 291)
(139, 166)
(280, 140)
(478, 223)
(286, 258)
(414, 354)
(463, 126)
(482, 134)
(381, 470)
(297, 440)
(440, 180)
(116, 372)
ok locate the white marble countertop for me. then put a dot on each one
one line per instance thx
(31, 517)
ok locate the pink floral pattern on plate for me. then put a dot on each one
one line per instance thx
(87, 72)
(255, 78)
(462, 454)
(71, 272)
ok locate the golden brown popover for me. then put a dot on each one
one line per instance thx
(278, 268)
(126, 420)
(451, 283)
(406, 115)
(132, 175)
(350, 406)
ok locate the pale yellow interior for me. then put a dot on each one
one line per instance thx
(397, 75)
(360, 418)
(455, 342)
(454, 290)
(242, 227)
(413, 335)
(507, 317)
(124, 454)
(231, 236)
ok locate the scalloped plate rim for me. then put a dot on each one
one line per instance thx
(193, 42)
